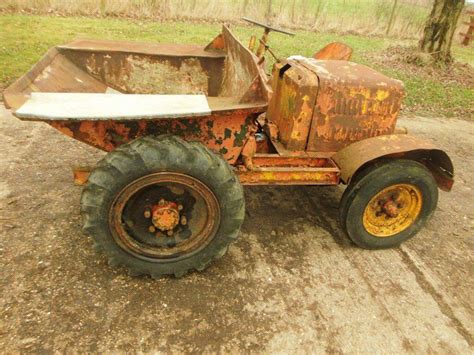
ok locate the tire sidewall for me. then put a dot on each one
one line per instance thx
(209, 168)
(392, 173)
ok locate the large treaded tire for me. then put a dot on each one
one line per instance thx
(149, 155)
(374, 178)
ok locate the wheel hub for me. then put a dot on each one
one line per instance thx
(392, 210)
(165, 215)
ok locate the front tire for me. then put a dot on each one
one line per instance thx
(388, 203)
(161, 205)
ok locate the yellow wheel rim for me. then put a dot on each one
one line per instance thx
(392, 210)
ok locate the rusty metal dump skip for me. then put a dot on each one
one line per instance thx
(225, 72)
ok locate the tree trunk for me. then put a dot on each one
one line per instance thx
(439, 29)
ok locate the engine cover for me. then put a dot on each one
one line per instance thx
(349, 102)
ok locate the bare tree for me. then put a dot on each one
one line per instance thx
(439, 29)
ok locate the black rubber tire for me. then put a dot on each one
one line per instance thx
(150, 155)
(373, 179)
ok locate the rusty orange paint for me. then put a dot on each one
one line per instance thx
(272, 169)
(225, 134)
(217, 43)
(292, 104)
(334, 51)
(81, 175)
(266, 160)
(290, 176)
(354, 103)
(402, 146)
(248, 152)
(165, 215)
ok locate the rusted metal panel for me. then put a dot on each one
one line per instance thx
(290, 153)
(51, 74)
(289, 176)
(354, 103)
(225, 134)
(98, 66)
(95, 66)
(291, 107)
(145, 68)
(81, 174)
(242, 70)
(150, 74)
(216, 45)
(334, 51)
(354, 156)
(275, 160)
(150, 48)
(249, 149)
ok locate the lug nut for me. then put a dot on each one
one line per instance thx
(180, 207)
(151, 229)
(170, 233)
(184, 220)
(147, 213)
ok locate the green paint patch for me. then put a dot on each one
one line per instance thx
(240, 136)
(223, 151)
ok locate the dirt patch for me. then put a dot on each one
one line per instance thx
(414, 62)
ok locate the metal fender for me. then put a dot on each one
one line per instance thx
(356, 156)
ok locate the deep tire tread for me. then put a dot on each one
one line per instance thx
(153, 154)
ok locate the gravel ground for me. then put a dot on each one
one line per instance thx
(291, 281)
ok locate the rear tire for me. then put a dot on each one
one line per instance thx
(132, 178)
(388, 203)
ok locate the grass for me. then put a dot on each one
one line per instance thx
(367, 16)
(24, 39)
(435, 98)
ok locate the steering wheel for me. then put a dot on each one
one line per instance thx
(267, 27)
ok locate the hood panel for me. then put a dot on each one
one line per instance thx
(354, 102)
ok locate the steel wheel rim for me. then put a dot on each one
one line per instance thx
(129, 235)
(392, 210)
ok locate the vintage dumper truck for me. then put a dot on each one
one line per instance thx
(186, 126)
